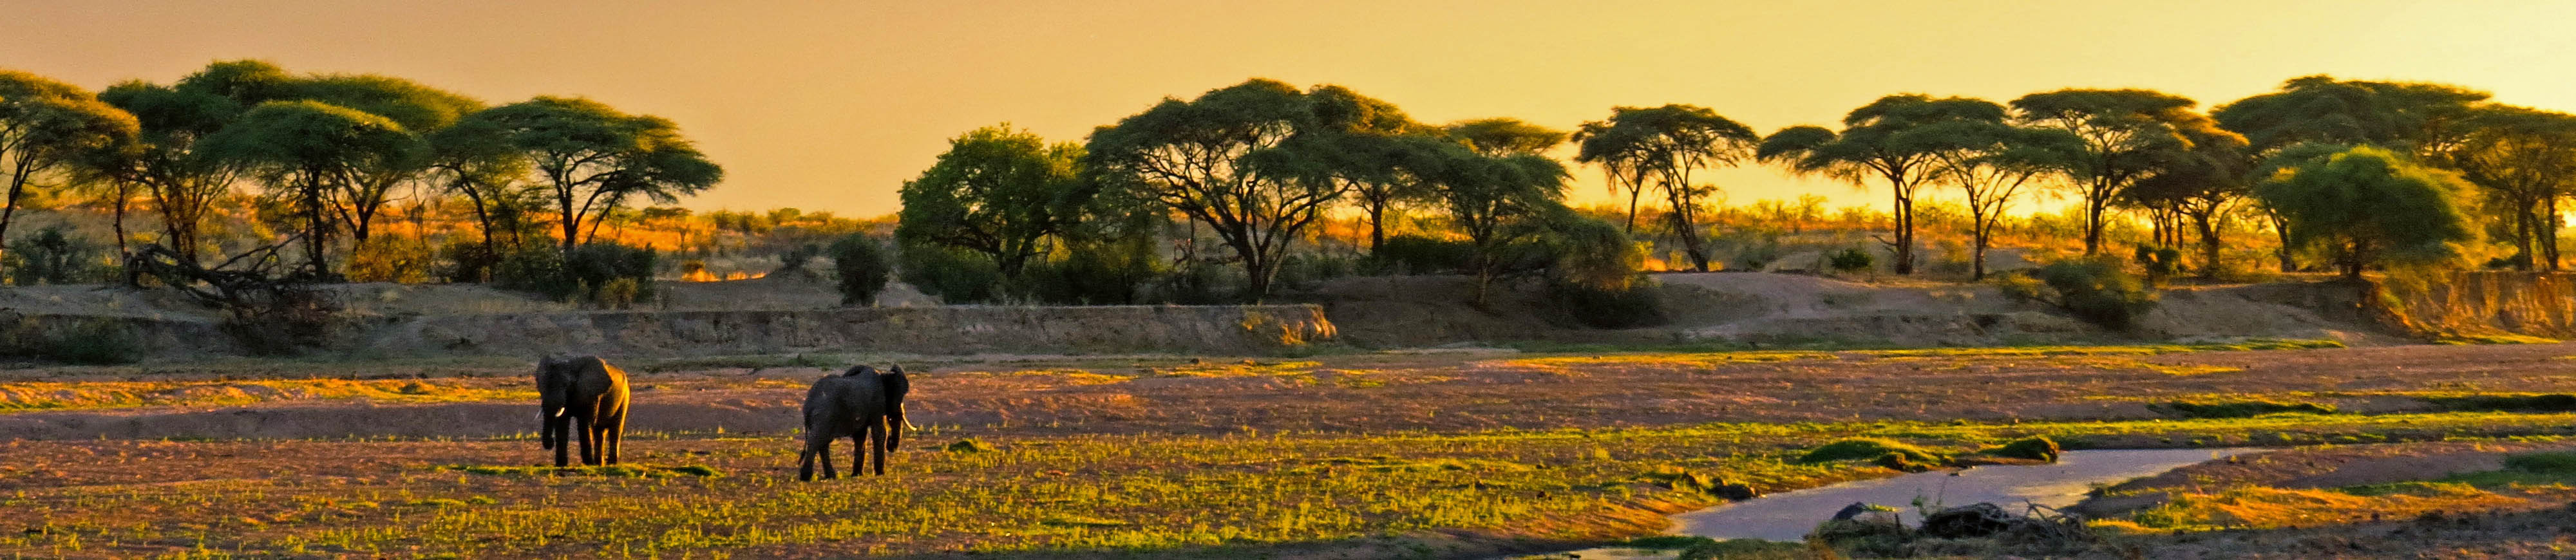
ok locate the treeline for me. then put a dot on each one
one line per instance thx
(244, 170)
(2344, 175)
(313, 167)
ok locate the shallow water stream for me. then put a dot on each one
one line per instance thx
(1788, 516)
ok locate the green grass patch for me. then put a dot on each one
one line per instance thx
(2470, 339)
(2416, 488)
(2036, 448)
(2553, 402)
(604, 471)
(1871, 449)
(2246, 408)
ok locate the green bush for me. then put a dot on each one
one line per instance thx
(1408, 254)
(1848, 261)
(1202, 283)
(2159, 262)
(582, 275)
(467, 260)
(1092, 274)
(2241, 408)
(1872, 449)
(1632, 306)
(2096, 290)
(794, 259)
(50, 257)
(863, 269)
(2038, 448)
(91, 341)
(955, 276)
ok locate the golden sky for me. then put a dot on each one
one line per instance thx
(831, 105)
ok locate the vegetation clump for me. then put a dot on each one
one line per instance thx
(970, 445)
(1874, 449)
(610, 471)
(2520, 402)
(861, 268)
(2037, 448)
(2099, 291)
(2241, 408)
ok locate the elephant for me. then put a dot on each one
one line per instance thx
(582, 394)
(858, 403)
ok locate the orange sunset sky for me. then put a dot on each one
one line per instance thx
(831, 105)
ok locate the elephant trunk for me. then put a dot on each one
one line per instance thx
(894, 427)
(546, 426)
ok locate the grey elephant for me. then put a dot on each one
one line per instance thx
(582, 395)
(859, 404)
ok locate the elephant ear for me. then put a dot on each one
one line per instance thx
(896, 385)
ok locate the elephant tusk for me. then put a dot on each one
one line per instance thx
(560, 412)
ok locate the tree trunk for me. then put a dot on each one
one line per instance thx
(1377, 226)
(9, 209)
(2281, 228)
(2207, 222)
(1904, 218)
(1979, 231)
(2549, 233)
(117, 223)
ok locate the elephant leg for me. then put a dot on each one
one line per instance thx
(877, 437)
(823, 454)
(616, 435)
(859, 453)
(589, 440)
(561, 428)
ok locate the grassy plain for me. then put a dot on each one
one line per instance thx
(1357, 456)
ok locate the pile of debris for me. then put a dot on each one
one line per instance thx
(1874, 530)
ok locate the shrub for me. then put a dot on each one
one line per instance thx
(1593, 274)
(955, 276)
(2038, 448)
(1871, 449)
(50, 257)
(861, 265)
(794, 260)
(390, 260)
(2096, 290)
(2241, 408)
(1409, 254)
(1848, 261)
(581, 275)
(1202, 283)
(466, 260)
(2159, 262)
(89, 341)
(1093, 274)
(1632, 306)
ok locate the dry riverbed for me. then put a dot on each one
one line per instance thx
(1364, 455)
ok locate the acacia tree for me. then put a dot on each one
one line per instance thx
(305, 151)
(2202, 184)
(2525, 159)
(1664, 146)
(46, 125)
(589, 158)
(2423, 119)
(1359, 142)
(2127, 134)
(2366, 205)
(1991, 162)
(1882, 140)
(1496, 200)
(1224, 161)
(1000, 192)
(421, 110)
